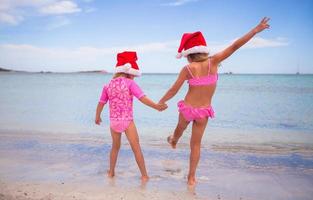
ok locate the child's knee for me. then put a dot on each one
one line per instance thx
(182, 126)
(195, 145)
(116, 146)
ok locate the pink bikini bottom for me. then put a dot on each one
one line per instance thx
(190, 113)
(120, 125)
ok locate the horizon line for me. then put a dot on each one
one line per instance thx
(151, 73)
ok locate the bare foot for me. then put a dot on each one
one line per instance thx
(191, 181)
(110, 174)
(144, 179)
(171, 141)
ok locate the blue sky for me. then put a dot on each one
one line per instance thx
(72, 35)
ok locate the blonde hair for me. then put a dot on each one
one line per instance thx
(120, 74)
(198, 57)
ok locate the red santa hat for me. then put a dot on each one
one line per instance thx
(192, 43)
(126, 63)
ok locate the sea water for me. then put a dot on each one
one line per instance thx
(67, 102)
(261, 136)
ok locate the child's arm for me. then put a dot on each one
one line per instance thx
(103, 100)
(138, 93)
(175, 87)
(98, 113)
(219, 57)
(145, 100)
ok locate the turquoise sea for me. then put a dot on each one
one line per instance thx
(262, 134)
(66, 102)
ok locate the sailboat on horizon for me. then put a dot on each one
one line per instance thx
(298, 69)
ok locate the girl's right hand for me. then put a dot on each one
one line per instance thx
(98, 120)
(161, 106)
(262, 25)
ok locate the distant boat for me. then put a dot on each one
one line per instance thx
(298, 69)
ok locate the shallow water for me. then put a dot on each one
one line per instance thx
(80, 160)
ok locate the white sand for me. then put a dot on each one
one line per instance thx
(84, 191)
(35, 166)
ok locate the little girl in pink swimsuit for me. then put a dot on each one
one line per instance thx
(201, 74)
(119, 92)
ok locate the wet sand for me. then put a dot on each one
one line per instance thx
(68, 166)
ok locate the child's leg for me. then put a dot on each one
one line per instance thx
(132, 136)
(179, 130)
(198, 128)
(116, 144)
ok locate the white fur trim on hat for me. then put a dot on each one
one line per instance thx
(195, 49)
(127, 68)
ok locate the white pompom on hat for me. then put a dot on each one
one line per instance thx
(126, 63)
(192, 43)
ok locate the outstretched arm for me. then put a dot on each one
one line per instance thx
(138, 93)
(145, 100)
(219, 57)
(175, 87)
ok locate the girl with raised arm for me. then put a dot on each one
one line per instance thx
(201, 75)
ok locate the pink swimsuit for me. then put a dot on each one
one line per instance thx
(119, 92)
(190, 113)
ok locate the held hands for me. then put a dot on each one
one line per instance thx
(262, 25)
(161, 106)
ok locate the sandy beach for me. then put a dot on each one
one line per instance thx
(35, 165)
(75, 190)
(70, 70)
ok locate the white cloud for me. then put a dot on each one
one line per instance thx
(58, 22)
(254, 43)
(87, 1)
(10, 19)
(90, 10)
(13, 12)
(60, 7)
(258, 42)
(6, 5)
(29, 57)
(89, 50)
(178, 2)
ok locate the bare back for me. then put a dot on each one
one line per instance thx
(200, 95)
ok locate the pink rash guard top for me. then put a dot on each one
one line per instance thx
(119, 92)
(210, 79)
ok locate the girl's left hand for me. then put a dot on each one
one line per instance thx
(262, 25)
(98, 120)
